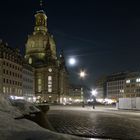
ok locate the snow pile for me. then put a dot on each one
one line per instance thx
(13, 129)
(5, 106)
(24, 106)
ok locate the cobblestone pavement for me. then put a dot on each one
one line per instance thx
(101, 122)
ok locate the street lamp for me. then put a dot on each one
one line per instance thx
(94, 94)
(82, 74)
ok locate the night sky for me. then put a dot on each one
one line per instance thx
(104, 35)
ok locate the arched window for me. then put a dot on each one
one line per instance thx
(30, 60)
(49, 84)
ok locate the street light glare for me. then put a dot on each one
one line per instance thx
(72, 61)
(94, 92)
(82, 74)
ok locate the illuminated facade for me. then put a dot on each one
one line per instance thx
(101, 87)
(28, 82)
(11, 63)
(16, 77)
(76, 93)
(116, 85)
(51, 77)
(132, 85)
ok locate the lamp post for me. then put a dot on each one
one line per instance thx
(82, 75)
(94, 94)
(72, 61)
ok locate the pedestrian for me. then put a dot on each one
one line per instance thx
(93, 105)
(83, 104)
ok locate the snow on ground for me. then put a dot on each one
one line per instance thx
(13, 129)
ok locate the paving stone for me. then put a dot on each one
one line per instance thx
(97, 123)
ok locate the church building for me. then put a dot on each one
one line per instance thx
(51, 76)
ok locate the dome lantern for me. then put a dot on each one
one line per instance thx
(40, 22)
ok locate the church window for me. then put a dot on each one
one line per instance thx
(30, 60)
(39, 88)
(39, 81)
(49, 78)
(49, 89)
(44, 45)
(50, 70)
(49, 84)
(32, 44)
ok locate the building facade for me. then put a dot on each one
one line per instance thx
(101, 87)
(28, 82)
(76, 94)
(132, 85)
(119, 85)
(51, 76)
(11, 63)
(116, 85)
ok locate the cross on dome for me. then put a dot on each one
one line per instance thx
(41, 3)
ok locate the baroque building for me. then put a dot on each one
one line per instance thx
(16, 77)
(11, 64)
(51, 76)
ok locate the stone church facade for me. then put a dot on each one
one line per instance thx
(51, 76)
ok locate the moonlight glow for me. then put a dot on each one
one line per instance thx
(72, 61)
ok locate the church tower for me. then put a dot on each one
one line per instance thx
(40, 44)
(50, 74)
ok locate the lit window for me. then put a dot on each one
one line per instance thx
(39, 81)
(49, 89)
(49, 83)
(138, 80)
(30, 60)
(49, 78)
(4, 90)
(127, 81)
(39, 88)
(49, 86)
(50, 70)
